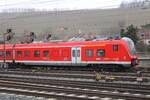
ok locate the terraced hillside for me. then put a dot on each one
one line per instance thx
(66, 24)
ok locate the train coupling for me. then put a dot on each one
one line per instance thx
(135, 61)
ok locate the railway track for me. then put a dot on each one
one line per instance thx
(41, 85)
(144, 71)
(80, 75)
(68, 92)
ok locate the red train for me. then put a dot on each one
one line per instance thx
(104, 53)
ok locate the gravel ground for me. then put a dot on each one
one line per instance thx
(5, 96)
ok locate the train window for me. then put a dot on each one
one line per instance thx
(74, 53)
(89, 53)
(27, 54)
(115, 47)
(19, 53)
(36, 53)
(100, 53)
(78, 53)
(1, 53)
(8, 53)
(46, 53)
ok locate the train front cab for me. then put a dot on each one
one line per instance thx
(133, 55)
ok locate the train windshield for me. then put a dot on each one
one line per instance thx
(130, 44)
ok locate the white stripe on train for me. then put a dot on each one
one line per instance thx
(82, 62)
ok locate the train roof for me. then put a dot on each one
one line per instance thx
(77, 43)
(7, 46)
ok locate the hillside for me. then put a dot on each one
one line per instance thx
(66, 24)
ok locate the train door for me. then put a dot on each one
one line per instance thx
(76, 55)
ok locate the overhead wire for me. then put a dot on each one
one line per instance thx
(40, 2)
(22, 16)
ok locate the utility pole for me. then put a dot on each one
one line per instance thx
(4, 62)
(4, 37)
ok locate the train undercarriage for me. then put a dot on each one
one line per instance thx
(78, 67)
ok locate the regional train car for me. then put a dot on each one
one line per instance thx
(7, 51)
(104, 53)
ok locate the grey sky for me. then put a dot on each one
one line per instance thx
(60, 4)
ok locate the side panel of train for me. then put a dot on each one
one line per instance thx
(8, 54)
(43, 56)
(96, 53)
(75, 56)
(106, 54)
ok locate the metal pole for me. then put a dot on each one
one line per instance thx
(4, 63)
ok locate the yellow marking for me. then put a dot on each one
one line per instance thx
(97, 45)
(99, 76)
(139, 79)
